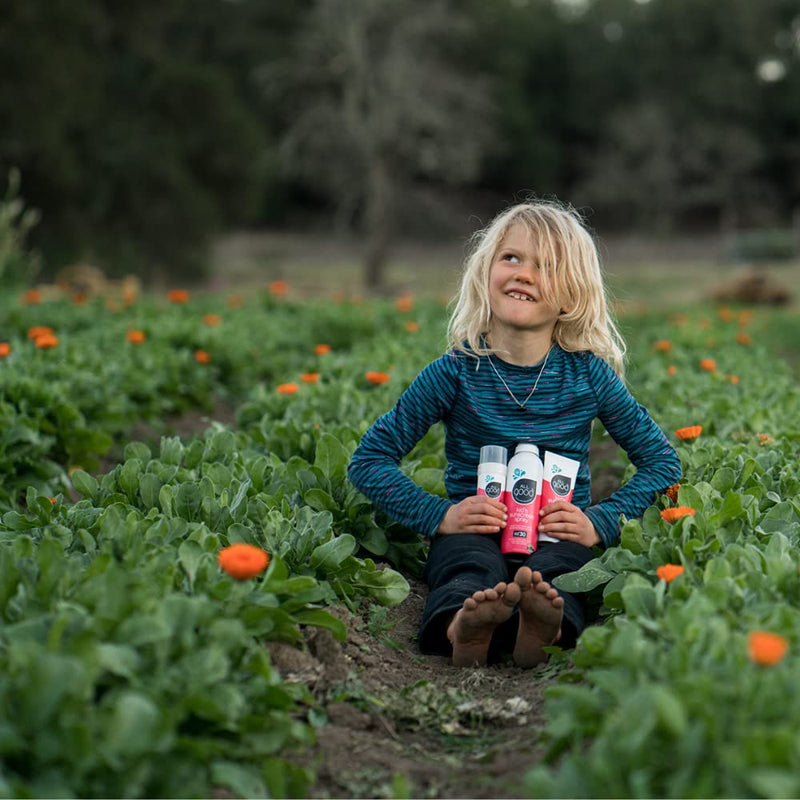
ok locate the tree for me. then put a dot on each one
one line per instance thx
(379, 105)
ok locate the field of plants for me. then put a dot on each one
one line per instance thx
(143, 582)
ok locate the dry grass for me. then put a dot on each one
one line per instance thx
(659, 274)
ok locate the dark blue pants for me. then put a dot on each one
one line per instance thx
(463, 563)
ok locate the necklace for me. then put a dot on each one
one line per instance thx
(530, 394)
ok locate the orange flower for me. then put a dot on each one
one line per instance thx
(202, 357)
(5, 349)
(689, 433)
(39, 330)
(310, 377)
(136, 337)
(668, 572)
(725, 314)
(46, 342)
(744, 338)
(662, 346)
(322, 349)
(243, 561)
(745, 315)
(766, 648)
(212, 320)
(79, 299)
(405, 303)
(674, 514)
(178, 296)
(288, 388)
(411, 326)
(234, 301)
(763, 438)
(708, 364)
(32, 297)
(377, 378)
(672, 492)
(734, 379)
(672, 370)
(53, 500)
(279, 288)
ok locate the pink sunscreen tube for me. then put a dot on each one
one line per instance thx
(558, 482)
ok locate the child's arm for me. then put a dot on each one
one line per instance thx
(374, 468)
(632, 428)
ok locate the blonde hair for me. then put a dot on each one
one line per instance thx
(571, 279)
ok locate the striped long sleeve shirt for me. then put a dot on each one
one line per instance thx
(468, 397)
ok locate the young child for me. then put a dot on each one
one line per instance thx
(534, 357)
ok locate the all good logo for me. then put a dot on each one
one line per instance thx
(493, 488)
(524, 491)
(561, 485)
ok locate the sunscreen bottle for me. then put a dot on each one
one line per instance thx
(492, 471)
(522, 499)
(558, 482)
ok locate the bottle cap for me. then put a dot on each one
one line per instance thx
(493, 454)
(527, 447)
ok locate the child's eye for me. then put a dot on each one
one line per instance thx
(510, 257)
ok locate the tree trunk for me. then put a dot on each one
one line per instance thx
(378, 224)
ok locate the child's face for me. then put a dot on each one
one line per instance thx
(515, 294)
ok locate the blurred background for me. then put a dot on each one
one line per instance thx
(358, 143)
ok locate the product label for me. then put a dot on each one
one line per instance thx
(524, 491)
(493, 489)
(561, 485)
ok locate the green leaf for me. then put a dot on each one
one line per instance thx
(321, 619)
(243, 780)
(330, 555)
(639, 597)
(332, 458)
(190, 555)
(137, 450)
(171, 450)
(132, 726)
(386, 586)
(320, 500)
(128, 477)
(149, 488)
(187, 501)
(588, 577)
(85, 484)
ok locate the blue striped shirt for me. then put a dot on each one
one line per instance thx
(477, 410)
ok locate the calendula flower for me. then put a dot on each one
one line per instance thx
(744, 338)
(690, 433)
(405, 303)
(674, 514)
(745, 315)
(322, 349)
(734, 379)
(725, 314)
(288, 388)
(136, 337)
(708, 364)
(662, 346)
(53, 500)
(39, 330)
(310, 377)
(5, 349)
(234, 301)
(79, 299)
(411, 326)
(672, 492)
(202, 357)
(212, 320)
(763, 438)
(46, 342)
(668, 572)
(178, 296)
(672, 370)
(279, 288)
(243, 561)
(766, 648)
(32, 297)
(377, 378)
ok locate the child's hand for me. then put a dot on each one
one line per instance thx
(478, 514)
(562, 520)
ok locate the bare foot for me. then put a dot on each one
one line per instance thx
(541, 609)
(471, 629)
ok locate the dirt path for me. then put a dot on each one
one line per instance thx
(401, 724)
